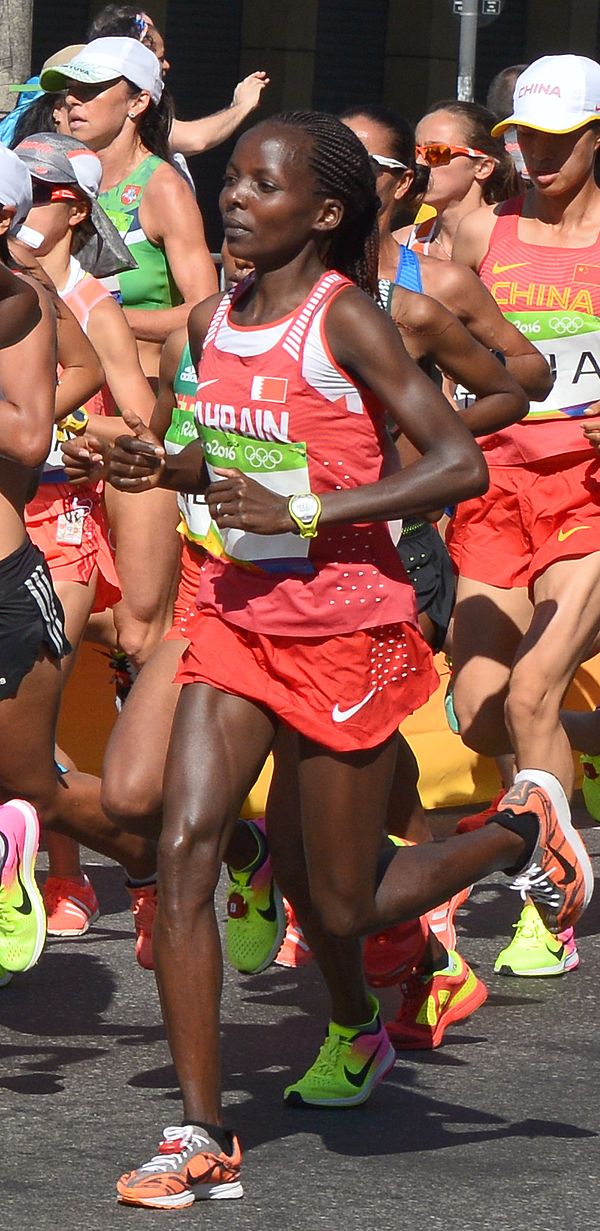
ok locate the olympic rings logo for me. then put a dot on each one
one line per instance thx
(565, 324)
(261, 458)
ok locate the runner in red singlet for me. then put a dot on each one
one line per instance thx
(529, 591)
(306, 637)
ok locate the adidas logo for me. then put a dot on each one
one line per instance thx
(189, 374)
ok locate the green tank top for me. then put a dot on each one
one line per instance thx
(151, 285)
(195, 518)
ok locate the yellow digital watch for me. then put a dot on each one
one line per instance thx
(305, 512)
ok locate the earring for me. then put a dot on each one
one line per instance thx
(130, 115)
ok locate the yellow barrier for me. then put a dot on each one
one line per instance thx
(450, 773)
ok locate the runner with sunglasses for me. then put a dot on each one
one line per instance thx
(528, 554)
(468, 168)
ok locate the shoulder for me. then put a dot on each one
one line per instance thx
(418, 311)
(199, 320)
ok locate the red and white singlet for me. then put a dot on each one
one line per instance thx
(272, 402)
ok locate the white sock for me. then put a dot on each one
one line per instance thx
(550, 784)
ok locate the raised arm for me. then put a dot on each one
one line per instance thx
(195, 136)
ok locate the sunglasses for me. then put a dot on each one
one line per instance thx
(379, 164)
(437, 154)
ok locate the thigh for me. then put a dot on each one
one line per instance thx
(144, 530)
(136, 753)
(77, 600)
(344, 799)
(489, 624)
(565, 622)
(27, 735)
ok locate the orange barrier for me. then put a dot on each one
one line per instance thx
(450, 773)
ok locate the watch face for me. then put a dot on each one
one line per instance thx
(305, 508)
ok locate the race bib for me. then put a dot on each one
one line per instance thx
(570, 341)
(276, 465)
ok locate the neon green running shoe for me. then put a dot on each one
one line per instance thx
(22, 914)
(350, 1063)
(534, 952)
(256, 919)
(590, 785)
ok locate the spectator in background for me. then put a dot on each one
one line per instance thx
(500, 102)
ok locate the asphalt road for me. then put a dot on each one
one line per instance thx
(498, 1129)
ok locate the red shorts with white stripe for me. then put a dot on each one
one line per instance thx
(54, 507)
(345, 692)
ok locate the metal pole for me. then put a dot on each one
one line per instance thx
(467, 51)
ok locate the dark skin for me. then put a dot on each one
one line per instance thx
(273, 217)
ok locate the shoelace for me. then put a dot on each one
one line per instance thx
(171, 1159)
(6, 923)
(412, 993)
(327, 1058)
(536, 883)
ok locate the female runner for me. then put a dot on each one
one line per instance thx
(528, 603)
(32, 637)
(468, 169)
(68, 523)
(114, 100)
(309, 362)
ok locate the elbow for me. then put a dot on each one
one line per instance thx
(541, 384)
(35, 450)
(519, 407)
(473, 479)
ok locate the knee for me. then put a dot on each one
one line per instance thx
(480, 721)
(530, 701)
(340, 911)
(189, 862)
(129, 801)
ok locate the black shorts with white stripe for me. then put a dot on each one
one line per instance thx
(31, 616)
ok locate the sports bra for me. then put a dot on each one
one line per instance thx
(151, 285)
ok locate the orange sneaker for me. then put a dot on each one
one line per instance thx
(143, 908)
(441, 918)
(185, 1170)
(71, 905)
(433, 1002)
(295, 951)
(559, 876)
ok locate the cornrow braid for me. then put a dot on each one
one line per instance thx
(340, 164)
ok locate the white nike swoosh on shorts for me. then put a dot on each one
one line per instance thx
(339, 715)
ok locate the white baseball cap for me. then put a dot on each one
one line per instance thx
(107, 59)
(556, 94)
(15, 186)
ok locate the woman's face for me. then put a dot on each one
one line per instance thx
(155, 41)
(269, 207)
(450, 183)
(98, 113)
(559, 162)
(392, 182)
(53, 219)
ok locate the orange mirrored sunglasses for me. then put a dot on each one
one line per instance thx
(438, 154)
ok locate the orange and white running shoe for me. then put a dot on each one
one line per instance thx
(433, 1002)
(295, 950)
(441, 918)
(71, 905)
(558, 877)
(144, 900)
(187, 1168)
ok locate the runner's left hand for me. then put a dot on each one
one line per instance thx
(240, 503)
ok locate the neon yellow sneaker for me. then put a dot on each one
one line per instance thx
(534, 952)
(22, 914)
(256, 918)
(590, 785)
(350, 1063)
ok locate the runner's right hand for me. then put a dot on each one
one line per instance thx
(84, 459)
(136, 462)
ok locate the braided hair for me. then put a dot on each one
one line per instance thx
(340, 164)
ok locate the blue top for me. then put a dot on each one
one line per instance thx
(408, 273)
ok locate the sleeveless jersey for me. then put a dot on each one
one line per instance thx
(150, 285)
(195, 524)
(552, 296)
(81, 294)
(408, 272)
(272, 402)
